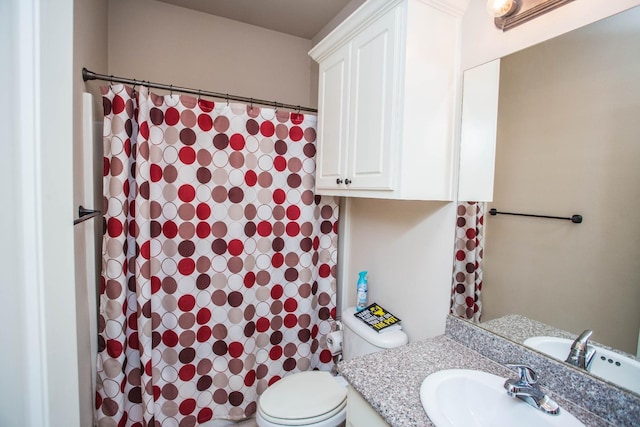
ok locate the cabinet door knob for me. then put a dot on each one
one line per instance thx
(338, 181)
(347, 181)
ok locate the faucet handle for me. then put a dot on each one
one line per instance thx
(583, 338)
(526, 373)
(581, 353)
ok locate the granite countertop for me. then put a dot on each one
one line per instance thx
(390, 380)
(518, 328)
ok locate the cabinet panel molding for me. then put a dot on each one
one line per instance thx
(393, 135)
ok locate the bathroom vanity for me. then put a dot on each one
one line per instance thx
(385, 387)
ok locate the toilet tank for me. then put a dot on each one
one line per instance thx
(359, 339)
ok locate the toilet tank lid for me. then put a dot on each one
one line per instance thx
(388, 339)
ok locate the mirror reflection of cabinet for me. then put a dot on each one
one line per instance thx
(387, 90)
(478, 132)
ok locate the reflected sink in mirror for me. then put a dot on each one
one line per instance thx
(606, 364)
(464, 397)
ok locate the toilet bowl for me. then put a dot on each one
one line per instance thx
(317, 398)
(313, 398)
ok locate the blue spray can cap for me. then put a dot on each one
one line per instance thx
(362, 291)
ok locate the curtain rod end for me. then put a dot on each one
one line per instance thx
(87, 75)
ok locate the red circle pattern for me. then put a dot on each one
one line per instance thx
(467, 265)
(218, 260)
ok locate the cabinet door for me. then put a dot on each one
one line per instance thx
(333, 117)
(373, 88)
(360, 413)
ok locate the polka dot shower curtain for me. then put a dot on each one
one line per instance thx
(467, 264)
(218, 259)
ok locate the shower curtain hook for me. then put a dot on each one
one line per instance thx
(171, 90)
(275, 106)
(251, 105)
(227, 98)
(111, 82)
(199, 93)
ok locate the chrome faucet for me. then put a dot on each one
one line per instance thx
(527, 389)
(581, 353)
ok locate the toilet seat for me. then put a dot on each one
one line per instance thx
(301, 399)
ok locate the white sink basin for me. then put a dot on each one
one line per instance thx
(470, 398)
(608, 365)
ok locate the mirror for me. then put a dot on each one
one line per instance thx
(568, 142)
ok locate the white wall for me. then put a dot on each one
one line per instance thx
(13, 394)
(39, 359)
(407, 249)
(483, 42)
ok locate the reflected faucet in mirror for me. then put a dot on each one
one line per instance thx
(613, 366)
(581, 354)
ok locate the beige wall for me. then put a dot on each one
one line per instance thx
(568, 144)
(483, 42)
(163, 43)
(90, 51)
(337, 20)
(407, 248)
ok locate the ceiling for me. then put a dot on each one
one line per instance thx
(301, 18)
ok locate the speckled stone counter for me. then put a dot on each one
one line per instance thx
(390, 380)
(518, 328)
(618, 406)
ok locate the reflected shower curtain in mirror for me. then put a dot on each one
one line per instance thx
(218, 258)
(467, 263)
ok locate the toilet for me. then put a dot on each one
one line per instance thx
(317, 398)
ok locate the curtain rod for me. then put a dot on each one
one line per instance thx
(90, 75)
(85, 214)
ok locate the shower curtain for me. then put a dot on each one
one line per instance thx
(218, 258)
(467, 264)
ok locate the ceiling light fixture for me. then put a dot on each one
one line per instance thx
(501, 8)
(510, 13)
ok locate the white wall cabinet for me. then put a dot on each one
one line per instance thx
(388, 84)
